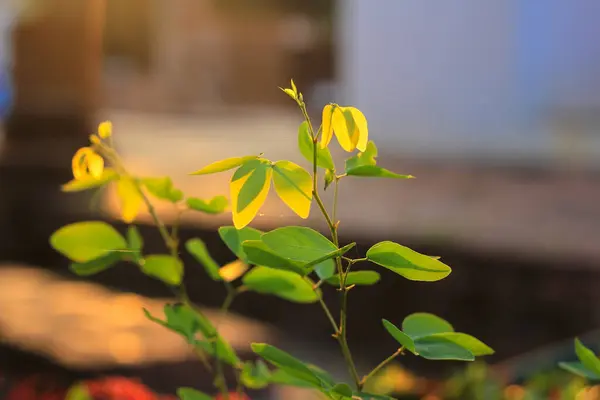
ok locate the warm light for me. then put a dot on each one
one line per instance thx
(588, 393)
(126, 348)
(126, 310)
(514, 392)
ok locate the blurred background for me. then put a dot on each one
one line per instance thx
(493, 106)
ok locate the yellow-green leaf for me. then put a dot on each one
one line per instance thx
(234, 238)
(360, 278)
(198, 250)
(257, 253)
(130, 198)
(186, 393)
(216, 205)
(97, 265)
(587, 357)
(249, 187)
(223, 165)
(474, 345)
(164, 267)
(285, 284)
(367, 157)
(307, 148)
(294, 186)
(407, 263)
(86, 241)
(162, 188)
(375, 172)
(89, 182)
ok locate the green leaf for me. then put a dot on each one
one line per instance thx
(97, 265)
(363, 158)
(329, 177)
(180, 319)
(407, 263)
(578, 368)
(440, 348)
(376, 172)
(474, 345)
(328, 256)
(256, 172)
(223, 165)
(287, 285)
(255, 376)
(306, 146)
(294, 186)
(361, 278)
(198, 250)
(216, 205)
(298, 243)
(281, 377)
(325, 270)
(89, 182)
(401, 337)
(288, 363)
(258, 253)
(135, 243)
(233, 239)
(224, 351)
(341, 391)
(587, 357)
(86, 241)
(134, 238)
(186, 393)
(164, 267)
(162, 188)
(424, 324)
(187, 322)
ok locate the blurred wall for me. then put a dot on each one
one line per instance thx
(501, 79)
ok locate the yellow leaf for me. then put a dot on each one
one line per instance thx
(345, 128)
(95, 165)
(289, 92)
(130, 197)
(86, 162)
(360, 122)
(294, 186)
(94, 139)
(327, 128)
(105, 129)
(230, 272)
(293, 86)
(249, 187)
(223, 165)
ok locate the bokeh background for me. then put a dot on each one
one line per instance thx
(493, 106)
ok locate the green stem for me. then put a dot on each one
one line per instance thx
(340, 332)
(172, 242)
(380, 366)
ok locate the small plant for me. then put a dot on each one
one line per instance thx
(588, 365)
(294, 263)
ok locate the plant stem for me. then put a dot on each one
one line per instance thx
(172, 242)
(380, 366)
(340, 332)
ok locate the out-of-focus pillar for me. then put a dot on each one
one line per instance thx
(57, 51)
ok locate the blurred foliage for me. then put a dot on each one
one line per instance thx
(478, 381)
